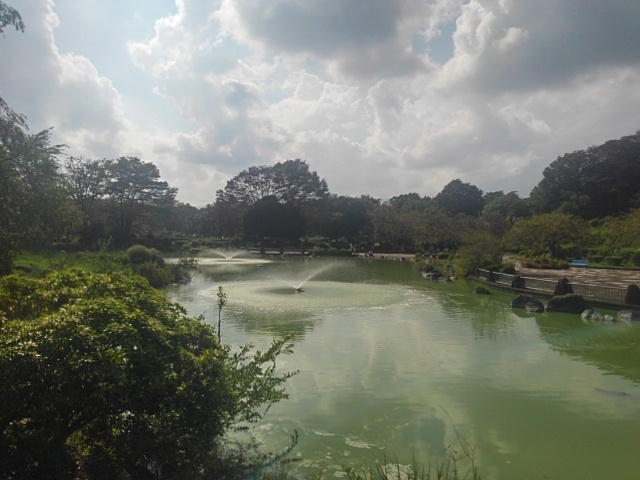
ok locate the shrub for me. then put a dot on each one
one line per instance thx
(181, 272)
(545, 261)
(157, 276)
(139, 254)
(634, 258)
(614, 260)
(508, 267)
(100, 374)
(627, 254)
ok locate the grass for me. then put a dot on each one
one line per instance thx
(459, 464)
(154, 269)
(40, 263)
(449, 469)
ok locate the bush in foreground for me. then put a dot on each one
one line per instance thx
(102, 377)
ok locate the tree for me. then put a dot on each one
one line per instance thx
(409, 202)
(248, 186)
(133, 186)
(437, 228)
(545, 233)
(501, 211)
(288, 182)
(88, 182)
(10, 16)
(392, 228)
(32, 192)
(223, 219)
(397, 225)
(101, 373)
(593, 183)
(345, 217)
(182, 218)
(271, 221)
(459, 197)
(508, 205)
(480, 249)
(296, 184)
(622, 232)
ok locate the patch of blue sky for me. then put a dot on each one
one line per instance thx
(440, 47)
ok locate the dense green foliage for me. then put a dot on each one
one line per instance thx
(459, 197)
(100, 373)
(598, 182)
(289, 182)
(32, 195)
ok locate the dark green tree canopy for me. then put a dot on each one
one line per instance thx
(346, 217)
(409, 202)
(32, 190)
(509, 205)
(545, 233)
(288, 182)
(275, 221)
(132, 186)
(459, 197)
(87, 183)
(601, 181)
(296, 184)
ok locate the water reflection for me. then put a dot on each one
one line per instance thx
(393, 364)
(612, 348)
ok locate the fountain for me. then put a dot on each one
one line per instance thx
(229, 254)
(229, 258)
(298, 286)
(281, 287)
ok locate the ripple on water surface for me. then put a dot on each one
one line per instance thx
(313, 295)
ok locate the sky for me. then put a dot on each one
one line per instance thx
(379, 97)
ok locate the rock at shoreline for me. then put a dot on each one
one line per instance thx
(529, 303)
(629, 316)
(633, 295)
(591, 316)
(570, 303)
(429, 271)
(563, 287)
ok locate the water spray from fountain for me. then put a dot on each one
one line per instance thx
(229, 255)
(298, 287)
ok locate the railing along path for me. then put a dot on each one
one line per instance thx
(604, 293)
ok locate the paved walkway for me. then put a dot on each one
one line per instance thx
(586, 275)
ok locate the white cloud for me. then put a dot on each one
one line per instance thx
(380, 97)
(60, 90)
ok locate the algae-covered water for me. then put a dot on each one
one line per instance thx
(395, 366)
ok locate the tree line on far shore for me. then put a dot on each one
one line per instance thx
(585, 205)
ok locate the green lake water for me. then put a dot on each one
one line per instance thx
(395, 366)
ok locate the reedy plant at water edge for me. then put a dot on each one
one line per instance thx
(448, 469)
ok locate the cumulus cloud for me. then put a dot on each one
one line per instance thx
(64, 91)
(505, 45)
(380, 97)
(359, 38)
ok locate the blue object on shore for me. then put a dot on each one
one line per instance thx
(579, 263)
